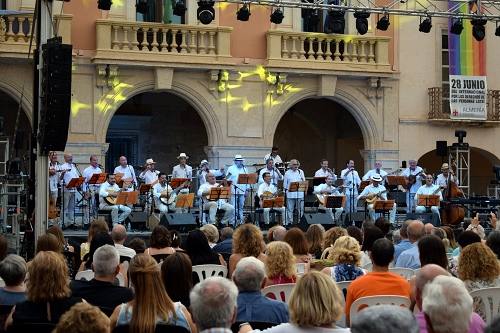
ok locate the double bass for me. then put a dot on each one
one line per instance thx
(452, 213)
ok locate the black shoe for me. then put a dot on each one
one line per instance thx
(73, 227)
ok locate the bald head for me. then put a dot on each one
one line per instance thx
(123, 161)
(428, 228)
(416, 230)
(119, 234)
(425, 275)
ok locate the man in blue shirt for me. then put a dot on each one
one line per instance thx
(249, 276)
(410, 258)
(404, 244)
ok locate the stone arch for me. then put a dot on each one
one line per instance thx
(192, 96)
(371, 136)
(14, 91)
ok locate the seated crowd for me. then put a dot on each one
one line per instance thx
(143, 287)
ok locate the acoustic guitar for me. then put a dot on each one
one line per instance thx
(112, 200)
(375, 197)
(52, 207)
(222, 183)
(322, 197)
(169, 196)
(412, 179)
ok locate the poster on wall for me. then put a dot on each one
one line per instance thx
(468, 97)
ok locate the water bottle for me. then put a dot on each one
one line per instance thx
(129, 227)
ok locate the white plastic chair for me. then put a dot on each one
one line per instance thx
(89, 275)
(206, 271)
(377, 300)
(449, 255)
(486, 294)
(343, 289)
(280, 291)
(300, 268)
(2, 283)
(407, 273)
(368, 267)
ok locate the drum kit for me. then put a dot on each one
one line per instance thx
(282, 167)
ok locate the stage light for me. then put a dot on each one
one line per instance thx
(104, 4)
(362, 22)
(383, 24)
(457, 27)
(180, 8)
(313, 18)
(478, 30)
(142, 7)
(460, 134)
(497, 32)
(335, 22)
(243, 14)
(206, 12)
(496, 170)
(425, 25)
(277, 16)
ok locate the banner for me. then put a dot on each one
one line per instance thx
(468, 97)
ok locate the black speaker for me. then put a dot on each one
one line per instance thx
(56, 96)
(357, 218)
(442, 148)
(19, 143)
(180, 222)
(137, 221)
(307, 219)
(432, 218)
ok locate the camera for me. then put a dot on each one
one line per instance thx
(484, 217)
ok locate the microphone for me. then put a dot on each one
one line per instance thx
(100, 166)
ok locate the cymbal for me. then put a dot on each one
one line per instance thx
(258, 165)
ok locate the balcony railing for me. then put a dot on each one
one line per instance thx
(439, 107)
(327, 51)
(16, 30)
(126, 41)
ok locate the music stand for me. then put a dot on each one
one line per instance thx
(217, 193)
(277, 202)
(363, 184)
(127, 198)
(383, 206)
(185, 200)
(75, 182)
(176, 182)
(118, 179)
(300, 186)
(334, 202)
(96, 179)
(395, 180)
(145, 188)
(428, 200)
(248, 179)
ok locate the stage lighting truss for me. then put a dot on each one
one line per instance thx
(243, 14)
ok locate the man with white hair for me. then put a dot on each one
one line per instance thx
(213, 305)
(100, 291)
(447, 306)
(250, 277)
(279, 233)
(119, 234)
(385, 318)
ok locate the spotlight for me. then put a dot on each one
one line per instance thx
(383, 24)
(277, 16)
(313, 18)
(425, 25)
(460, 134)
(243, 14)
(180, 8)
(206, 12)
(335, 22)
(362, 22)
(457, 27)
(497, 31)
(142, 7)
(478, 30)
(104, 4)
(496, 170)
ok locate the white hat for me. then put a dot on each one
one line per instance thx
(150, 161)
(238, 158)
(376, 178)
(183, 155)
(445, 166)
(203, 162)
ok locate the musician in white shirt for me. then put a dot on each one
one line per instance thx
(89, 189)
(128, 172)
(268, 190)
(204, 169)
(158, 188)
(69, 171)
(273, 155)
(54, 173)
(377, 170)
(294, 198)
(442, 178)
(351, 177)
(150, 175)
(213, 205)
(272, 170)
(325, 171)
(239, 191)
(375, 188)
(428, 189)
(105, 191)
(418, 174)
(325, 190)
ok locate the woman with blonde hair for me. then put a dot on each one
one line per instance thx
(331, 236)
(478, 268)
(280, 264)
(96, 227)
(248, 241)
(451, 236)
(48, 295)
(315, 306)
(346, 253)
(211, 233)
(151, 304)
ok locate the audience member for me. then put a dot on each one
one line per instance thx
(280, 264)
(176, 240)
(47, 242)
(199, 250)
(270, 232)
(226, 244)
(346, 253)
(213, 304)
(13, 272)
(380, 281)
(367, 224)
(56, 231)
(138, 245)
(396, 237)
(409, 258)
(356, 233)
(83, 318)
(95, 227)
(279, 233)
(177, 276)
(383, 224)
(4, 247)
(101, 291)
(151, 304)
(249, 276)
(465, 225)
(385, 318)
(442, 236)
(211, 233)
(296, 239)
(315, 306)
(493, 242)
(160, 242)
(330, 236)
(100, 239)
(405, 242)
(48, 295)
(119, 234)
(428, 228)
(370, 235)
(248, 241)
(465, 239)
(450, 235)
(314, 238)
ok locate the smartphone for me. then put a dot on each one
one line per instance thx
(484, 217)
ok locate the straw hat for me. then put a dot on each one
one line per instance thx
(150, 161)
(376, 178)
(183, 155)
(445, 166)
(238, 158)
